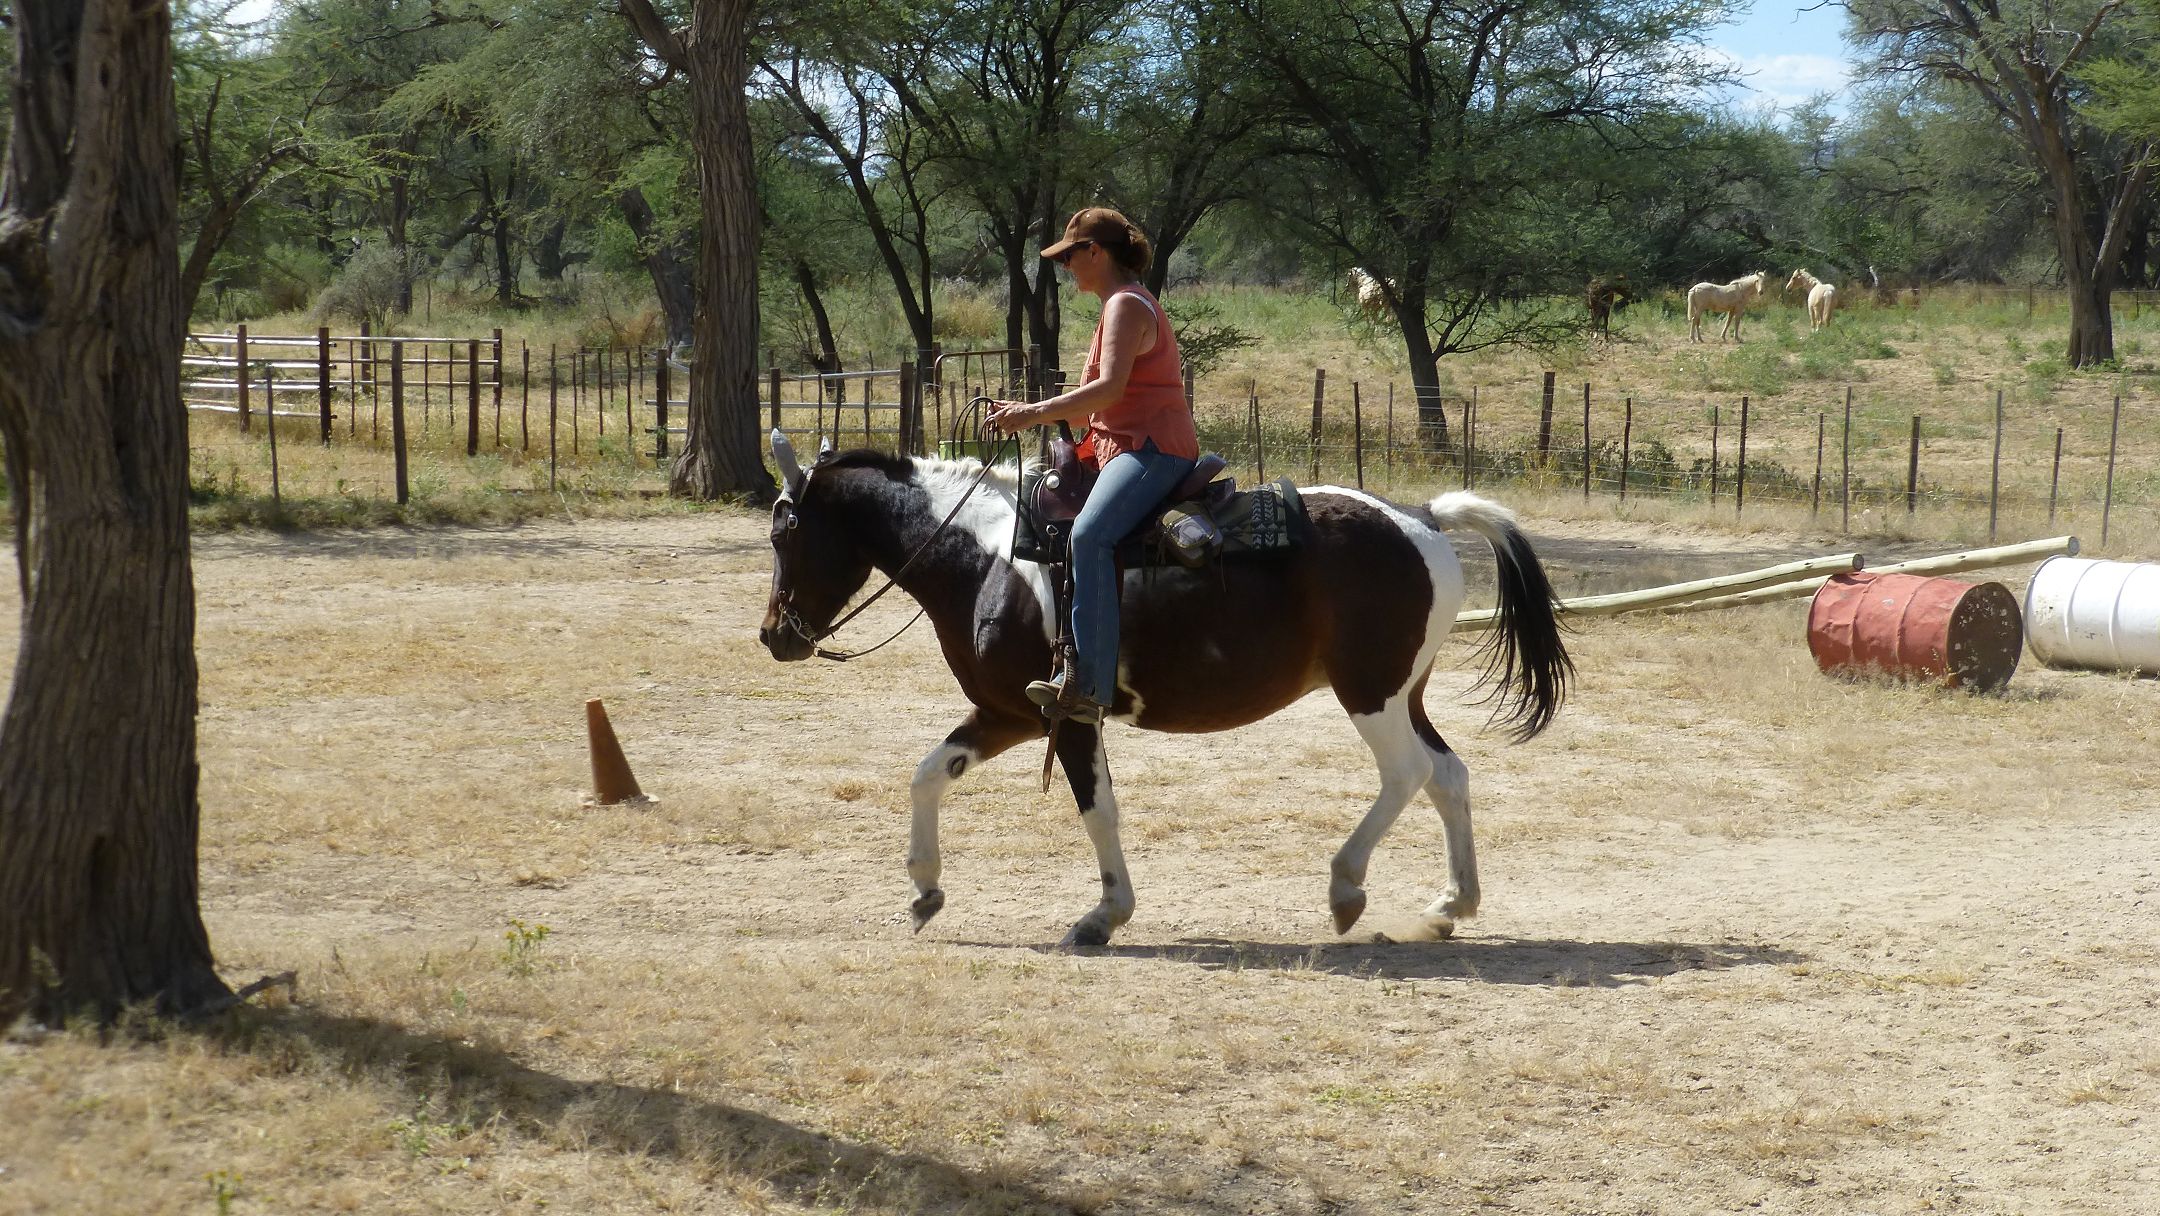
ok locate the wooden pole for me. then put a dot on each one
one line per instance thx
(577, 379)
(322, 378)
(1949, 563)
(1713, 454)
(1544, 425)
(240, 379)
(629, 412)
(1469, 438)
(498, 352)
(911, 409)
(1357, 434)
(352, 387)
(1681, 593)
(1739, 498)
(554, 385)
(277, 498)
(1845, 475)
(1388, 447)
(1995, 469)
(1627, 441)
(2107, 497)
(2055, 477)
(524, 396)
(663, 384)
(1822, 427)
(367, 362)
(1259, 437)
(397, 419)
(1912, 470)
(1319, 395)
(1586, 441)
(472, 397)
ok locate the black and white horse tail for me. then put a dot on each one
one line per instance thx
(1526, 661)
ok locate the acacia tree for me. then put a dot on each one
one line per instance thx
(98, 802)
(721, 454)
(2021, 58)
(1427, 144)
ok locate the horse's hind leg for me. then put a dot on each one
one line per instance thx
(1449, 790)
(975, 740)
(1087, 770)
(1405, 764)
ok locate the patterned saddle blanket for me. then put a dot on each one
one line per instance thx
(1217, 523)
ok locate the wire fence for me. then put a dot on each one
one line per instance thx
(405, 417)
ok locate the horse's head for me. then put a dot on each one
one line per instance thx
(1801, 279)
(817, 563)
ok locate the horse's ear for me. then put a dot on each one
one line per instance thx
(824, 448)
(791, 474)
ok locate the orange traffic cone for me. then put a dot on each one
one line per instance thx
(612, 781)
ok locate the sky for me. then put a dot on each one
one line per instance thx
(1787, 53)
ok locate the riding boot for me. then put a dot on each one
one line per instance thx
(1060, 696)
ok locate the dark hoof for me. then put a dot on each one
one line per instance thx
(1089, 932)
(1348, 911)
(927, 905)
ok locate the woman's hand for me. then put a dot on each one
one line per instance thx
(1012, 417)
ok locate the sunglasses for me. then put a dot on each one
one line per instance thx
(1065, 258)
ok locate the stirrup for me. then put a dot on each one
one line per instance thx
(1061, 699)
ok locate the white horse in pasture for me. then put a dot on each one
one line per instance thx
(1372, 291)
(1731, 299)
(1822, 298)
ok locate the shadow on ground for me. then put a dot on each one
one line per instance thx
(482, 1085)
(1488, 960)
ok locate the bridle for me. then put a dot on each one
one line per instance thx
(792, 620)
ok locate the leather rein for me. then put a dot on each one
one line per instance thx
(793, 620)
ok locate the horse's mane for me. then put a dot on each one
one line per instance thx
(927, 470)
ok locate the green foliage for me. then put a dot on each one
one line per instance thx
(1203, 341)
(521, 947)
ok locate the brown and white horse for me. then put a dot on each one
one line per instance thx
(1361, 608)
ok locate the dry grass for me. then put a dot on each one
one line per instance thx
(1752, 937)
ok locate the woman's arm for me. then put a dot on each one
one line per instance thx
(1128, 333)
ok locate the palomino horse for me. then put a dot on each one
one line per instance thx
(1821, 297)
(1360, 607)
(1731, 299)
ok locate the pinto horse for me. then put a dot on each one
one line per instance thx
(1360, 607)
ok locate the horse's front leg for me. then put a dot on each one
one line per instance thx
(1087, 769)
(975, 740)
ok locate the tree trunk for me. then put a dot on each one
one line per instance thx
(98, 807)
(549, 261)
(828, 359)
(721, 452)
(1424, 370)
(670, 274)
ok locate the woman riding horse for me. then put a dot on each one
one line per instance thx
(1139, 434)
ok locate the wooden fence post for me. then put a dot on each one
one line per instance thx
(498, 385)
(2107, 497)
(1822, 427)
(322, 378)
(1586, 441)
(524, 396)
(577, 382)
(1627, 443)
(1259, 438)
(240, 379)
(554, 383)
(472, 397)
(1544, 425)
(1319, 395)
(1739, 500)
(1714, 420)
(2055, 477)
(1845, 475)
(397, 419)
(662, 382)
(1469, 438)
(911, 409)
(1995, 468)
(629, 413)
(1357, 434)
(1912, 471)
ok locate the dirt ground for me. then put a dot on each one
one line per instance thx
(1752, 939)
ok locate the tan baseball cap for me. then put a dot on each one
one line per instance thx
(1100, 225)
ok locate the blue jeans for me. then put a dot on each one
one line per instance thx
(1131, 485)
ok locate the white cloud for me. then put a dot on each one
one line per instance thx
(1786, 80)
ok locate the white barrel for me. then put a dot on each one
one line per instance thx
(2084, 612)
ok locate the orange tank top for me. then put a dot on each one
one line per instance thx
(1153, 406)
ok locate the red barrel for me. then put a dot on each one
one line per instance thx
(1936, 629)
